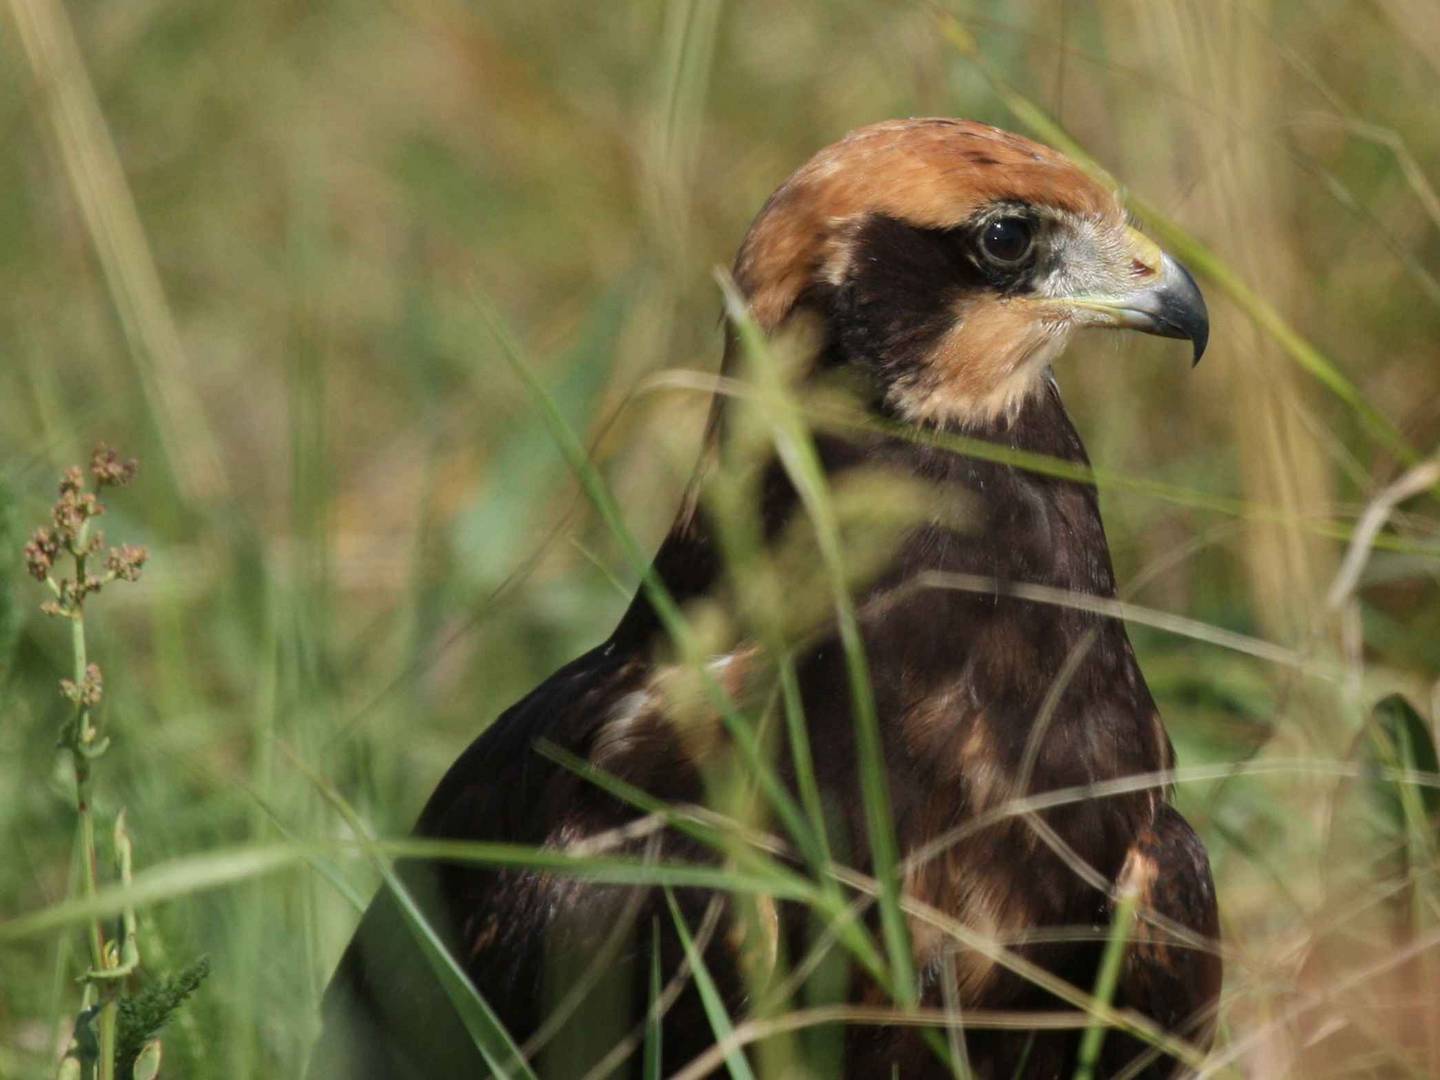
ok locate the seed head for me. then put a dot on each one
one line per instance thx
(88, 691)
(72, 481)
(40, 553)
(126, 561)
(107, 468)
(73, 509)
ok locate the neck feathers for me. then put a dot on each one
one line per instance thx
(1014, 526)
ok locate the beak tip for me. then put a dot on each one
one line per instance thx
(1183, 308)
(1171, 307)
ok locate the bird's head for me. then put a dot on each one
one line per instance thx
(954, 260)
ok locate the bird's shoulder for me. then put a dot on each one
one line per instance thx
(495, 787)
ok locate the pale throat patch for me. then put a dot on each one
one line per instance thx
(985, 368)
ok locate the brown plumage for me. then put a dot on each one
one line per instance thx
(942, 266)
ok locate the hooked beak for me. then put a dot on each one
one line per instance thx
(1166, 301)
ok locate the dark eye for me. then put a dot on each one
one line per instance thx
(1007, 240)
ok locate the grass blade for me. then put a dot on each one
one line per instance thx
(1200, 258)
(709, 995)
(654, 1028)
(802, 464)
(1106, 982)
(496, 1046)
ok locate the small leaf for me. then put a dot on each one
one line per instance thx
(1384, 817)
(147, 1064)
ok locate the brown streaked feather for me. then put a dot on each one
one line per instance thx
(670, 721)
(1174, 981)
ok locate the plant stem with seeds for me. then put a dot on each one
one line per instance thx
(81, 740)
(82, 781)
(92, 1050)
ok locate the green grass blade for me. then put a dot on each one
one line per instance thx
(1112, 481)
(491, 1038)
(606, 869)
(654, 1028)
(802, 464)
(194, 874)
(1106, 983)
(165, 881)
(709, 995)
(496, 1046)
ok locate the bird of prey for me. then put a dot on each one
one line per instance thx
(941, 266)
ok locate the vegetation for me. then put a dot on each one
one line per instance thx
(356, 282)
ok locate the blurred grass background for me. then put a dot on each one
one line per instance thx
(243, 240)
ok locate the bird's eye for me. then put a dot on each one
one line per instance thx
(1007, 240)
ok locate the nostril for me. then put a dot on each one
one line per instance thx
(1139, 269)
